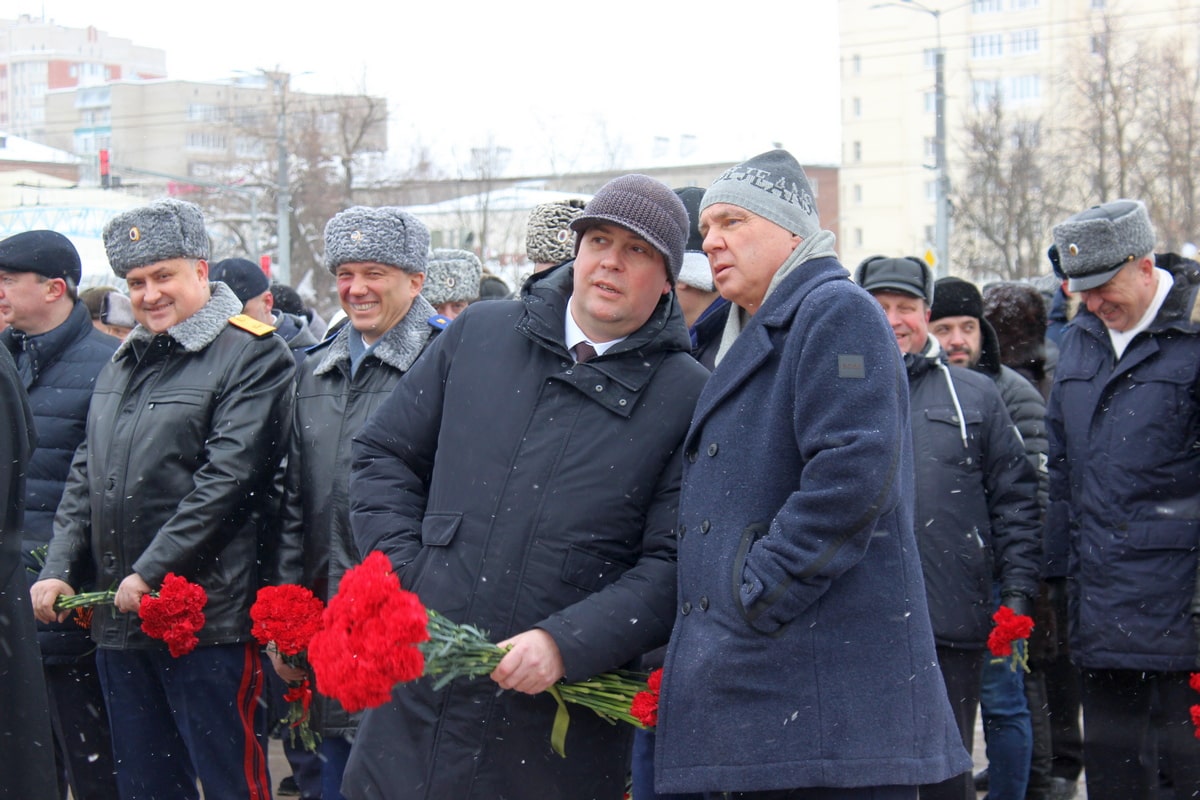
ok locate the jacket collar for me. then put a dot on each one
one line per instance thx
(398, 348)
(44, 349)
(197, 331)
(546, 294)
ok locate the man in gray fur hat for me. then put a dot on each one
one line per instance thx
(379, 258)
(186, 429)
(1123, 422)
(531, 461)
(452, 281)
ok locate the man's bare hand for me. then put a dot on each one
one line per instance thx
(130, 593)
(532, 664)
(286, 671)
(44, 594)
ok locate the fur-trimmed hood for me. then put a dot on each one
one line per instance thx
(397, 348)
(197, 331)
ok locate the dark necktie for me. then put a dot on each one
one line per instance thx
(584, 352)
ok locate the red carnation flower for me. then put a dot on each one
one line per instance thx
(644, 707)
(1010, 628)
(174, 614)
(369, 637)
(287, 615)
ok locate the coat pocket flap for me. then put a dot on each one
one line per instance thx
(949, 415)
(437, 530)
(590, 571)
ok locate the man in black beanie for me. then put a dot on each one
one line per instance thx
(523, 477)
(969, 341)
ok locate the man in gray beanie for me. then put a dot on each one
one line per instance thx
(796, 483)
(186, 429)
(452, 281)
(1123, 422)
(531, 461)
(379, 257)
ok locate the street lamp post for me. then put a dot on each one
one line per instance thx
(941, 243)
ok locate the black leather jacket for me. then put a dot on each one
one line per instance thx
(184, 434)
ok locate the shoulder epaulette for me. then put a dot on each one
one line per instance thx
(439, 321)
(251, 325)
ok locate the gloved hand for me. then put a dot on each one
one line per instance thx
(1019, 603)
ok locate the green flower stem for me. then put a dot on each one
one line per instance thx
(67, 602)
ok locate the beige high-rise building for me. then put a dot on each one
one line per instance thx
(37, 56)
(178, 130)
(1021, 51)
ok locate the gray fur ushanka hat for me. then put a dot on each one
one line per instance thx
(385, 235)
(1093, 245)
(452, 276)
(161, 231)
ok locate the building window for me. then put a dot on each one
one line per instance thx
(929, 233)
(1023, 5)
(930, 102)
(858, 237)
(1097, 4)
(983, 93)
(931, 191)
(1024, 89)
(931, 148)
(1022, 42)
(205, 140)
(858, 194)
(856, 103)
(857, 152)
(856, 64)
(929, 57)
(990, 45)
(987, 6)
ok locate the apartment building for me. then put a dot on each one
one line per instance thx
(38, 56)
(1019, 51)
(168, 129)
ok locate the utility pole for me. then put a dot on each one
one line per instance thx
(942, 222)
(283, 267)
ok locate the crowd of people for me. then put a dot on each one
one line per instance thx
(691, 441)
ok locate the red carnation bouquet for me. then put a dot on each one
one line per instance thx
(1009, 635)
(285, 619)
(645, 702)
(376, 635)
(174, 614)
(1194, 682)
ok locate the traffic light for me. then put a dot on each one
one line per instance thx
(105, 181)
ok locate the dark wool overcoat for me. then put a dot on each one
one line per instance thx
(1124, 516)
(515, 489)
(26, 744)
(802, 654)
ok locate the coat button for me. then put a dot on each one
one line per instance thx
(112, 484)
(599, 387)
(691, 456)
(712, 449)
(686, 608)
(109, 560)
(682, 530)
(704, 602)
(705, 526)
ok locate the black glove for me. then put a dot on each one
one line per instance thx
(1019, 603)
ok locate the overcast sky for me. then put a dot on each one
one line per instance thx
(555, 82)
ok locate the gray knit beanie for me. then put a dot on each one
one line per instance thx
(452, 276)
(161, 231)
(548, 237)
(1094, 245)
(386, 235)
(772, 185)
(645, 206)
